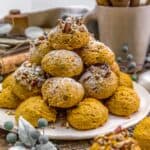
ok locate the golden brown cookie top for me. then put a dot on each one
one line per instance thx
(30, 75)
(97, 72)
(120, 139)
(95, 45)
(37, 42)
(70, 25)
(142, 129)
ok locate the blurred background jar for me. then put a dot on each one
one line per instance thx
(120, 24)
(18, 21)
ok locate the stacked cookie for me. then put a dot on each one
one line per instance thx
(69, 70)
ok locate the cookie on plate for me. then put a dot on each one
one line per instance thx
(115, 68)
(62, 63)
(39, 49)
(9, 81)
(35, 108)
(62, 92)
(141, 133)
(99, 82)
(69, 34)
(96, 53)
(88, 114)
(125, 80)
(8, 99)
(29, 79)
(118, 140)
(124, 102)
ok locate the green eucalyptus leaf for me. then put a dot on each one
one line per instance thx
(24, 130)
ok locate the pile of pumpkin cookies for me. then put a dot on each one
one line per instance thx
(69, 70)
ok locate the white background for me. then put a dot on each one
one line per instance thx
(34, 5)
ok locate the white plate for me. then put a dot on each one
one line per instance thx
(62, 133)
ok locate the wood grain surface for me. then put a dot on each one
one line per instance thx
(3, 143)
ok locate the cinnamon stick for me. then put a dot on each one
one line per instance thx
(10, 63)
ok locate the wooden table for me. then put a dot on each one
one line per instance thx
(3, 143)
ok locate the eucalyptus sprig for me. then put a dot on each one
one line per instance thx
(27, 137)
(127, 63)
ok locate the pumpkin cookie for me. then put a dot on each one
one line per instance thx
(39, 49)
(115, 68)
(29, 79)
(124, 102)
(141, 133)
(96, 53)
(125, 80)
(69, 34)
(120, 140)
(88, 114)
(99, 82)
(62, 63)
(62, 92)
(35, 108)
(9, 81)
(8, 99)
